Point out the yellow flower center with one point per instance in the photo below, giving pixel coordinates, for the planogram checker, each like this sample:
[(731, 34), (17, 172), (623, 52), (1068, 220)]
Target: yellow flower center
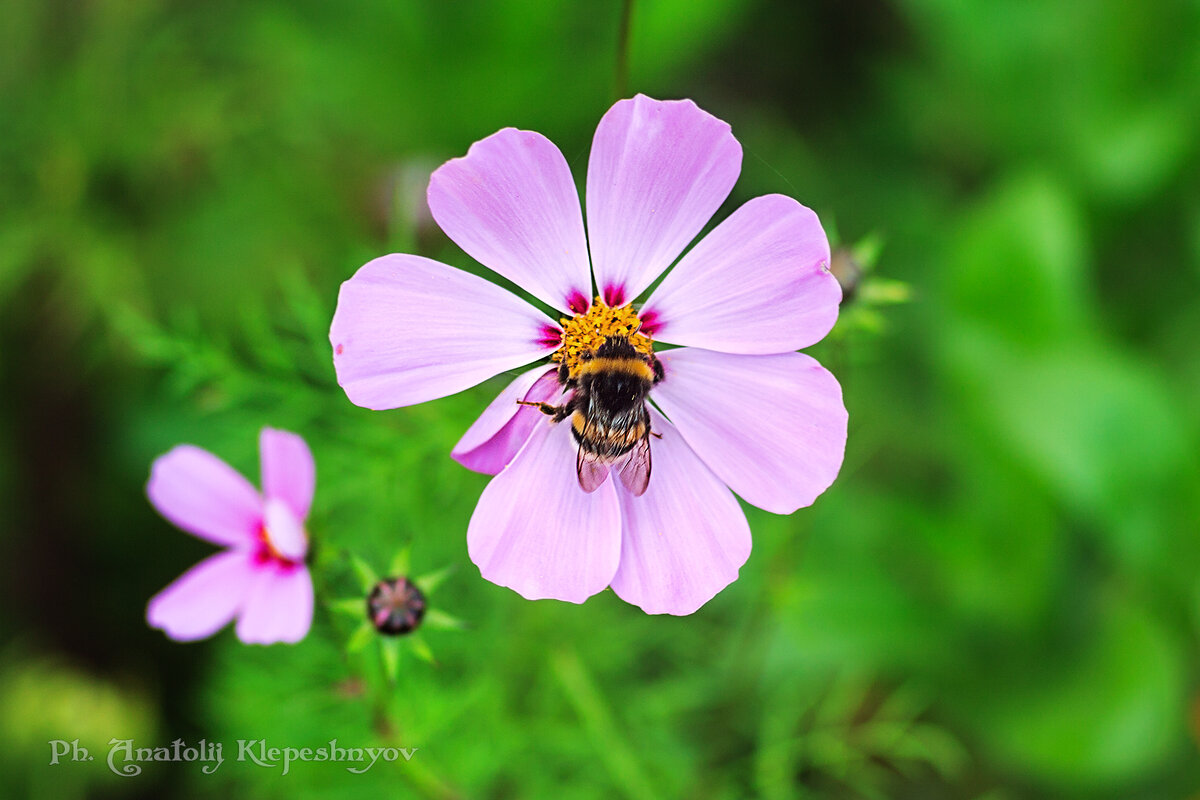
[(584, 333)]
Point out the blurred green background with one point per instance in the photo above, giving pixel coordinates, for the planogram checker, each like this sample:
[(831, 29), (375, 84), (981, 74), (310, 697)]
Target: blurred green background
[(1000, 596)]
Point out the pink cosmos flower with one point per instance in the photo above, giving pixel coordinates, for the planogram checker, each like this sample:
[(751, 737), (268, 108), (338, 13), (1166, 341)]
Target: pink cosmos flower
[(737, 409), (260, 578)]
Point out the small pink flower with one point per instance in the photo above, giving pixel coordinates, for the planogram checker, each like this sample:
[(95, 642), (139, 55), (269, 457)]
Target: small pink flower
[(261, 578), (737, 410)]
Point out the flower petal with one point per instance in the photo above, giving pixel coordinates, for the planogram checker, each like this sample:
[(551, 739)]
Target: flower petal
[(492, 441), (685, 539), (772, 427), (279, 607), (204, 496), (512, 205), (408, 329), (658, 171), (206, 597), (285, 532), (758, 283), (288, 472), (536, 532)]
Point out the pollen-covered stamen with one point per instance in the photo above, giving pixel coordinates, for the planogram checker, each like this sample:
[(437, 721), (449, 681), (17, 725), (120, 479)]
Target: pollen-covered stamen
[(583, 334)]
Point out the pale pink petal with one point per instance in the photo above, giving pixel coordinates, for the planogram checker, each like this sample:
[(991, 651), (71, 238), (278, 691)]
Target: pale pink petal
[(685, 539), (408, 329), (758, 283), (206, 597), (279, 607), (536, 532), (203, 495), (492, 441), (288, 472), (285, 532), (772, 427), (511, 204), (658, 171)]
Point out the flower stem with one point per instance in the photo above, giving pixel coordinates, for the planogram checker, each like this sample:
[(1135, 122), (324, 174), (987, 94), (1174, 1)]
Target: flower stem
[(622, 83), (601, 725)]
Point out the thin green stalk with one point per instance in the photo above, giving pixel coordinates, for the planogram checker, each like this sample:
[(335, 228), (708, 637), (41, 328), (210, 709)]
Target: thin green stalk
[(622, 82), (612, 745)]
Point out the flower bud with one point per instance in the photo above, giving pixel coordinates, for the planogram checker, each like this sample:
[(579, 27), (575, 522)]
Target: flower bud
[(848, 271), (395, 606)]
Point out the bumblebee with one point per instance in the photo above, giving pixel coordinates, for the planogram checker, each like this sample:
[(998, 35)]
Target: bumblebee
[(609, 418)]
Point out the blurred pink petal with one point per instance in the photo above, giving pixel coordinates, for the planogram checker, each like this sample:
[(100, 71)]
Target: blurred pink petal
[(758, 283), (536, 532), (512, 205), (496, 436), (284, 531), (262, 576), (657, 172), (288, 472), (685, 539), (279, 605), (204, 496), (408, 329), (772, 427), (206, 597)]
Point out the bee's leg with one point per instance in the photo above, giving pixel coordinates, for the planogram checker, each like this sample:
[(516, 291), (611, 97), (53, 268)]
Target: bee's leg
[(646, 422), (564, 375), (545, 408), (556, 413), (657, 366)]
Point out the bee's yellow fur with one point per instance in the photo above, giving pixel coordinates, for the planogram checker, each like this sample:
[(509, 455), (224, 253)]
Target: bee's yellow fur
[(634, 366)]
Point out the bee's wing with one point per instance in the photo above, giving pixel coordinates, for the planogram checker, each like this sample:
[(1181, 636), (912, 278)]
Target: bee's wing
[(591, 474), (590, 471), (635, 470)]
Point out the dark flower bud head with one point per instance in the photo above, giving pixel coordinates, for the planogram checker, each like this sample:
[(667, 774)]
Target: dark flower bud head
[(395, 606)]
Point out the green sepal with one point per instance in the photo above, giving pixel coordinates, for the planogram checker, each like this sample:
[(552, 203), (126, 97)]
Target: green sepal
[(366, 576), (389, 648), (430, 581), (438, 620), (421, 648), (361, 637), (350, 606), (400, 563)]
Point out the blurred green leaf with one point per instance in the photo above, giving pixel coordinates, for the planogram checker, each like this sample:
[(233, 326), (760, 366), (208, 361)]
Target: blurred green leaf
[(1090, 717)]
